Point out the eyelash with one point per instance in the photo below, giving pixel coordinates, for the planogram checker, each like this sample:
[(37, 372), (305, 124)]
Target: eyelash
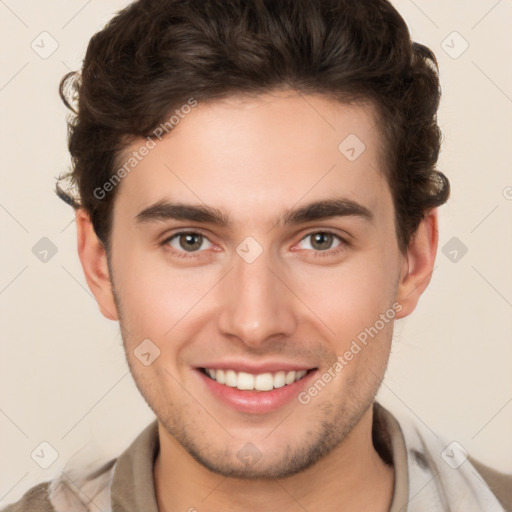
[(317, 254)]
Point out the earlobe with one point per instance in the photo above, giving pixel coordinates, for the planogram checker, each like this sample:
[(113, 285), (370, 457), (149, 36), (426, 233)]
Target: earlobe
[(94, 263), (418, 264)]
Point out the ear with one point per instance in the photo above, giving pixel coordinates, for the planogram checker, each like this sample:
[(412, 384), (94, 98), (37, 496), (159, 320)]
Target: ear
[(94, 263), (418, 264)]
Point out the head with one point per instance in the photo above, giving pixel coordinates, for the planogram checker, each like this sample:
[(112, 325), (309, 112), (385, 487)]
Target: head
[(216, 145)]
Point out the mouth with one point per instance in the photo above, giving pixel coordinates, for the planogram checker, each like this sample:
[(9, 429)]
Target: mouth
[(255, 393), (249, 382)]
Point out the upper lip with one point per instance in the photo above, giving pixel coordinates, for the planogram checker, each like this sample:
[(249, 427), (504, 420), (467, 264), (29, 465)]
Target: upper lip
[(256, 368)]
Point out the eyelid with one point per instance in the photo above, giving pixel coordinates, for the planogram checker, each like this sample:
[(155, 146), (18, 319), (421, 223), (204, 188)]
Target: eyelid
[(180, 231)]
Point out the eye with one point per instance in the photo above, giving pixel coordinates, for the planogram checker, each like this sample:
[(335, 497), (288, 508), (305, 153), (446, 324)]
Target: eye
[(187, 241), (322, 241)]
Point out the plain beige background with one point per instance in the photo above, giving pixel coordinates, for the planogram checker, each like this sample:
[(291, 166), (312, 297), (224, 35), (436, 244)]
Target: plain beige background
[(64, 380)]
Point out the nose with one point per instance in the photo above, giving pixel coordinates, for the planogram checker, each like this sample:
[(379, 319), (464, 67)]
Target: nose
[(257, 305)]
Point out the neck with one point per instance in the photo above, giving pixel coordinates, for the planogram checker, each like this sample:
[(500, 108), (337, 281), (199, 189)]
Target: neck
[(350, 477)]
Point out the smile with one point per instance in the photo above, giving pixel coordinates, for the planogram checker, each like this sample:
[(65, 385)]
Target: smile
[(249, 382)]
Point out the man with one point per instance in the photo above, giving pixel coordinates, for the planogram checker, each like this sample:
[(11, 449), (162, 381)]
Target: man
[(256, 199)]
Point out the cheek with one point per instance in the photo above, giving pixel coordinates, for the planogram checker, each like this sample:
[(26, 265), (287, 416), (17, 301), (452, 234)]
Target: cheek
[(156, 297), (351, 296)]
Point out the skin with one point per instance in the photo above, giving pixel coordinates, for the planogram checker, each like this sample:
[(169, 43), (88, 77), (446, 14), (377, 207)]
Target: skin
[(255, 158)]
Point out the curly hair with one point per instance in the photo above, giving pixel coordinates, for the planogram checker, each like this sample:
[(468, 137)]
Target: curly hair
[(154, 55)]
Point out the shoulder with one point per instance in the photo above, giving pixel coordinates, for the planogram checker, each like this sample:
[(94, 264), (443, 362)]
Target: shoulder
[(34, 500), (76, 490), (499, 483), (473, 487), (87, 481)]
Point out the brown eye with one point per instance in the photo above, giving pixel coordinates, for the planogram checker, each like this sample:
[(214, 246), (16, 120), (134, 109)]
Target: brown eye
[(321, 240), (187, 241)]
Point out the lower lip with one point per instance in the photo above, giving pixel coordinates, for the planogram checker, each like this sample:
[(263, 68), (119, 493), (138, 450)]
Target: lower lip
[(257, 402)]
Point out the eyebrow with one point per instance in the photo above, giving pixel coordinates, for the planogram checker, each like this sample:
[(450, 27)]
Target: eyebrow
[(318, 210)]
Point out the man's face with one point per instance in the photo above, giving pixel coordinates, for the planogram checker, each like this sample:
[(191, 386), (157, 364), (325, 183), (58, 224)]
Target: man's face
[(265, 293)]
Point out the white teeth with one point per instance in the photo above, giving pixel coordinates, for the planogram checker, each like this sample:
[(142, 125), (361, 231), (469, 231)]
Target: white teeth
[(261, 382), (230, 377), (279, 379), (264, 382), (245, 381), (290, 377), (220, 377)]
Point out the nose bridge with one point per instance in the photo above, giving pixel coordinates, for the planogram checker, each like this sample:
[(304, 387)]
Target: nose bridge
[(256, 305)]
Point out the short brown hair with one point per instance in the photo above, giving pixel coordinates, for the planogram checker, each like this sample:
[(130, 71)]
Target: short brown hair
[(155, 55)]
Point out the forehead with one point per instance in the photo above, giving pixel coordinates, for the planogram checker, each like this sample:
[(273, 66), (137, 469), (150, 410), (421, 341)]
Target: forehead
[(264, 153)]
